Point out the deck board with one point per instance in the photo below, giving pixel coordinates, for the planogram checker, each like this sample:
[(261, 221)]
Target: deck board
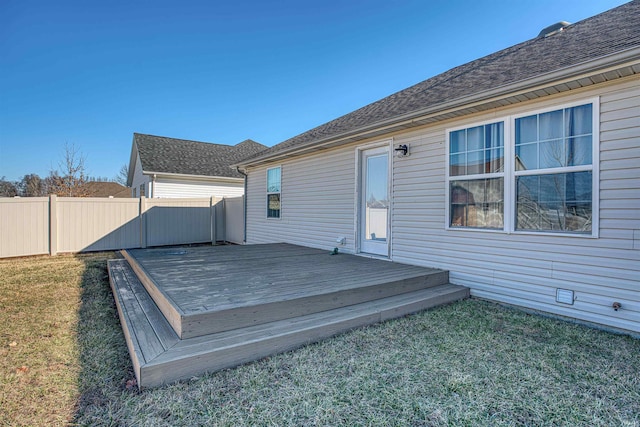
[(231, 348), (218, 307), (209, 289), (215, 278)]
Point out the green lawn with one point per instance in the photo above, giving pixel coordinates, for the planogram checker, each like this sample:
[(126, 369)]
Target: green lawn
[(63, 360)]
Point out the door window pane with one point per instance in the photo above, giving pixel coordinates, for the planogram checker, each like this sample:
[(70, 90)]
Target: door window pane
[(377, 198)]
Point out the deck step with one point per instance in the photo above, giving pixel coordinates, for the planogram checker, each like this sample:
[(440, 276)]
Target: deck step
[(230, 301), (160, 356)]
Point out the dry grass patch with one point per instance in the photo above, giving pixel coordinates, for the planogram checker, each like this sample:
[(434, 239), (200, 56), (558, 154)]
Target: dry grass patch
[(41, 305), (472, 363)]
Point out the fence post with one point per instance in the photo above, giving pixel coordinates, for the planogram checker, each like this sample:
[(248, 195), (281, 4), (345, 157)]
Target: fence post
[(143, 222), (53, 225), (213, 220), (224, 219)]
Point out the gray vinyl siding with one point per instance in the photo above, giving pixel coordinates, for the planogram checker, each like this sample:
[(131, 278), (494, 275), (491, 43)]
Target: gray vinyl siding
[(179, 188), (521, 269), (526, 269), (139, 179), (317, 202)]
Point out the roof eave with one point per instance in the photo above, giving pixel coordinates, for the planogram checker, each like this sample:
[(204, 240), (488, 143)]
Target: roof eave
[(605, 64), (194, 177)]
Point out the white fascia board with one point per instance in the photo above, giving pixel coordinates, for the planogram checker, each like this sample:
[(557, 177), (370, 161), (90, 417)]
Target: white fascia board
[(192, 177)]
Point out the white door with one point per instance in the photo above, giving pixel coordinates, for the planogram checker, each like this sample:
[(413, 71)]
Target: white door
[(374, 201)]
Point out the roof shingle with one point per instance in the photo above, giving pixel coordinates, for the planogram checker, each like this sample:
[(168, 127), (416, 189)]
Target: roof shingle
[(179, 156)]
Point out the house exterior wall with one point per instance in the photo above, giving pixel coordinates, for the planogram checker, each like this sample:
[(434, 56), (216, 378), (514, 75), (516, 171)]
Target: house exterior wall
[(522, 269), (317, 202), (138, 180), (172, 188), (165, 188)]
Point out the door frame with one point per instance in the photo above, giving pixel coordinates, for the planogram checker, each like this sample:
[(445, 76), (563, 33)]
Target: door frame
[(358, 206)]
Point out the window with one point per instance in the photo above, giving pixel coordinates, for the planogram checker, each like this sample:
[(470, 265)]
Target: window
[(553, 170), (142, 190), (273, 192), (476, 171), (531, 173)]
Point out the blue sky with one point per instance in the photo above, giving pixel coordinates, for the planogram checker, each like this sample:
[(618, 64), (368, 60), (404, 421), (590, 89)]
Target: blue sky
[(92, 73)]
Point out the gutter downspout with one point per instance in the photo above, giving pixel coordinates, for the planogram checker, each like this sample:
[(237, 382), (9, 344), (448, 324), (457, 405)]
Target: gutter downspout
[(244, 205)]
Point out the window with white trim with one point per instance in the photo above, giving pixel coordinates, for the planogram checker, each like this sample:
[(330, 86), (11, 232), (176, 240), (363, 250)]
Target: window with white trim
[(273, 192), (554, 171), (476, 171), (526, 173)]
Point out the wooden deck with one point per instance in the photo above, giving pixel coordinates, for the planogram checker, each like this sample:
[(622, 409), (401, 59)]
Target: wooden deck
[(189, 310)]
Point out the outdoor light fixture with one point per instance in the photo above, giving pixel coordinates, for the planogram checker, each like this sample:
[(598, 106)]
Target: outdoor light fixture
[(402, 150)]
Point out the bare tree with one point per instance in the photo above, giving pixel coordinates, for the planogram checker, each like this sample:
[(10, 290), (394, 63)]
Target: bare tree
[(7, 188), (123, 175), (69, 180), (32, 185)]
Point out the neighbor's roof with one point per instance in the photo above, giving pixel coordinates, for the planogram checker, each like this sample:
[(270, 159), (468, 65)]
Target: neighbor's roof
[(577, 47), (105, 189), (160, 154)]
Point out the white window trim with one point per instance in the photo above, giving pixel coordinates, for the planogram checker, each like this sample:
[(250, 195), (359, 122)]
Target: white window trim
[(503, 175), (510, 173), (267, 192)]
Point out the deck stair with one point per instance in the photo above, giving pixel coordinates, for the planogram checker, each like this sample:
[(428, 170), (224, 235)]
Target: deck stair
[(174, 331)]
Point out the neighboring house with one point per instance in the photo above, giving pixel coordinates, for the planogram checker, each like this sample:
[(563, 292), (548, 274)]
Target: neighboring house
[(105, 189), (521, 176), (169, 167)]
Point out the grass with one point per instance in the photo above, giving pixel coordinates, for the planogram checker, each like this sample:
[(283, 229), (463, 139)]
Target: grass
[(63, 360)]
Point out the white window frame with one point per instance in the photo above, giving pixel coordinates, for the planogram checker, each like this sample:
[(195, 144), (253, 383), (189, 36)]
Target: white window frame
[(510, 173), (273, 192), (503, 174)]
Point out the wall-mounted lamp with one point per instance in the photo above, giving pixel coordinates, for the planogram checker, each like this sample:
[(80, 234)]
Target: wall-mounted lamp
[(402, 150)]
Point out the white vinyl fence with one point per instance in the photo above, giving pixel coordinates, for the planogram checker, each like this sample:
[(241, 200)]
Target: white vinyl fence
[(48, 225)]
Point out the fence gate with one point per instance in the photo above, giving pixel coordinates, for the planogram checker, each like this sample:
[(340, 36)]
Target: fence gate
[(234, 219)]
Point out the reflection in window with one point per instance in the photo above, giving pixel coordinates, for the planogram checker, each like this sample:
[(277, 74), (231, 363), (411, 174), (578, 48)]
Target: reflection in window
[(477, 203), (560, 145), (554, 202), (476, 160), (273, 192), (555, 139), (477, 150)]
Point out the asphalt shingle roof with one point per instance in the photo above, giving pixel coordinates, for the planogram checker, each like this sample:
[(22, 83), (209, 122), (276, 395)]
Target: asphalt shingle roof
[(604, 34), (179, 156), (105, 189)]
